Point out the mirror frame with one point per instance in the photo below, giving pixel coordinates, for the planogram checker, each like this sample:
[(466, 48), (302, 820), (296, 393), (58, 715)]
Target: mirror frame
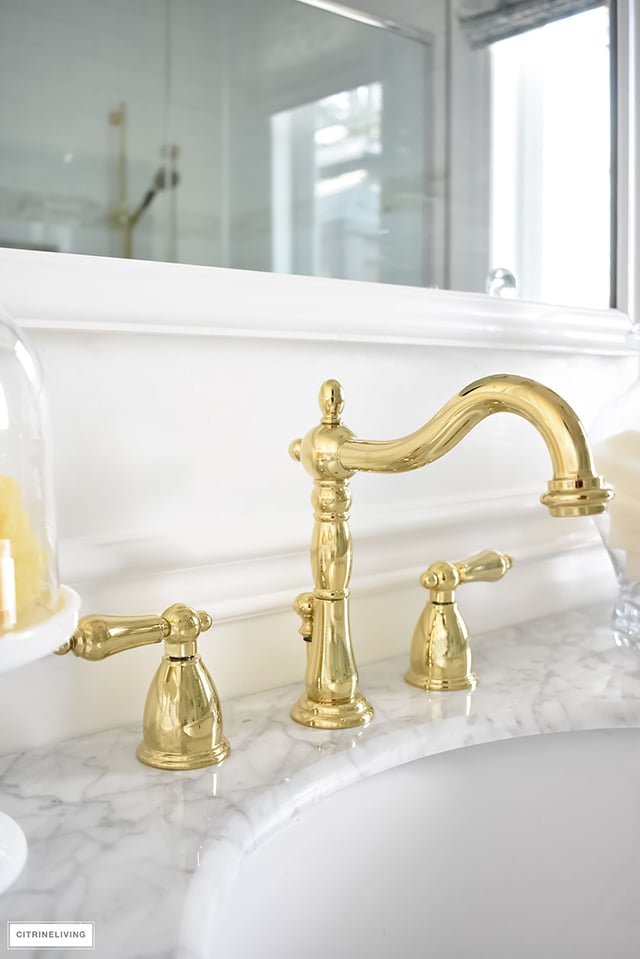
[(626, 127)]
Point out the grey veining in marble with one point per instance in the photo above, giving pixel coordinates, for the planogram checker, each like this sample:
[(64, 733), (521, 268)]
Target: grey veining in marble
[(146, 854)]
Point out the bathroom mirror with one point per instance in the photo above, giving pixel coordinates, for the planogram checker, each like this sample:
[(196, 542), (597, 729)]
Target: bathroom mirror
[(457, 144)]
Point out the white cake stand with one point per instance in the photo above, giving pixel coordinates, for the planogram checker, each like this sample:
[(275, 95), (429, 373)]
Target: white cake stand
[(17, 649), (26, 645)]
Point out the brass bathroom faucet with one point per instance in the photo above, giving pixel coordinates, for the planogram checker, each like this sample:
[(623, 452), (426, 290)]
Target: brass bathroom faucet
[(331, 454)]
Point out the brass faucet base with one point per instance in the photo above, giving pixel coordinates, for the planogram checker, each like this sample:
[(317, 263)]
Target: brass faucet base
[(309, 712), (440, 686), (164, 760)]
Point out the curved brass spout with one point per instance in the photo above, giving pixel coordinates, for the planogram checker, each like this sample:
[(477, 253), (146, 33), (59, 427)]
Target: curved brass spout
[(331, 454), (575, 489)]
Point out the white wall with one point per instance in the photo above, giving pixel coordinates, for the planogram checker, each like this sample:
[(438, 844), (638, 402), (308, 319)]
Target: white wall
[(175, 392)]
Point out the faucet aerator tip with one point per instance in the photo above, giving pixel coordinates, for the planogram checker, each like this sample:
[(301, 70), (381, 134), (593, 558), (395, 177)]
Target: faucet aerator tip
[(577, 497)]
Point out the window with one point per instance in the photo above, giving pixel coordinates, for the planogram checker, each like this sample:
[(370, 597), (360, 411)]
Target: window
[(550, 207)]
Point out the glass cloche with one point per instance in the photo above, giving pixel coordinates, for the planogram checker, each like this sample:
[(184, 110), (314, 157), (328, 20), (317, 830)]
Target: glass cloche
[(615, 435), (36, 614)]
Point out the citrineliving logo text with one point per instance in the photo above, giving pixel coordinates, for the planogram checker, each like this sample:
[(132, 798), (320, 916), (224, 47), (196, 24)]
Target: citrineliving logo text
[(51, 935)]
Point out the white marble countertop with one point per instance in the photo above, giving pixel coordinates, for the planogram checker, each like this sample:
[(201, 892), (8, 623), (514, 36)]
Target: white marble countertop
[(145, 853)]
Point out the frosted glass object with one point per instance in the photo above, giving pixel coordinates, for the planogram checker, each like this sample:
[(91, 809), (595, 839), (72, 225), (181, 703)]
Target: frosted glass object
[(29, 588), (501, 282), (616, 448)]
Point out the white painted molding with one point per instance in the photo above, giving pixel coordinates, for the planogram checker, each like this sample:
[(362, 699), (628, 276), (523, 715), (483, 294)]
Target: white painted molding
[(97, 294), (389, 553)]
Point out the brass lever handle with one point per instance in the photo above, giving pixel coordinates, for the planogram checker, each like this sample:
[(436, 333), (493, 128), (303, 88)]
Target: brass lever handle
[(440, 657), (182, 723), (100, 636), (443, 578), (487, 566)]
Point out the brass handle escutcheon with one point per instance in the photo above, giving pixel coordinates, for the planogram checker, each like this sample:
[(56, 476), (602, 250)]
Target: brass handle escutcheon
[(440, 657), (182, 722)]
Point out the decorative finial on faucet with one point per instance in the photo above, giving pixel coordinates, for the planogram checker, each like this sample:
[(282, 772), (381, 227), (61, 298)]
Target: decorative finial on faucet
[(331, 400)]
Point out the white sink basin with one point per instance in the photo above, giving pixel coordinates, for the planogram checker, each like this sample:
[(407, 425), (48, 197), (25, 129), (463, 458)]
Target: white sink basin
[(521, 849), (13, 851)]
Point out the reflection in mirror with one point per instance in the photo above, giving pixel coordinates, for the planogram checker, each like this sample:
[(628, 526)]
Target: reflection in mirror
[(550, 189), (345, 148), (453, 150)]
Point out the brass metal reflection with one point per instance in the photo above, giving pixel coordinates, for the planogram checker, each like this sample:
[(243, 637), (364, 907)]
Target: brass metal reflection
[(182, 723), (440, 657), (123, 217), (331, 454)]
